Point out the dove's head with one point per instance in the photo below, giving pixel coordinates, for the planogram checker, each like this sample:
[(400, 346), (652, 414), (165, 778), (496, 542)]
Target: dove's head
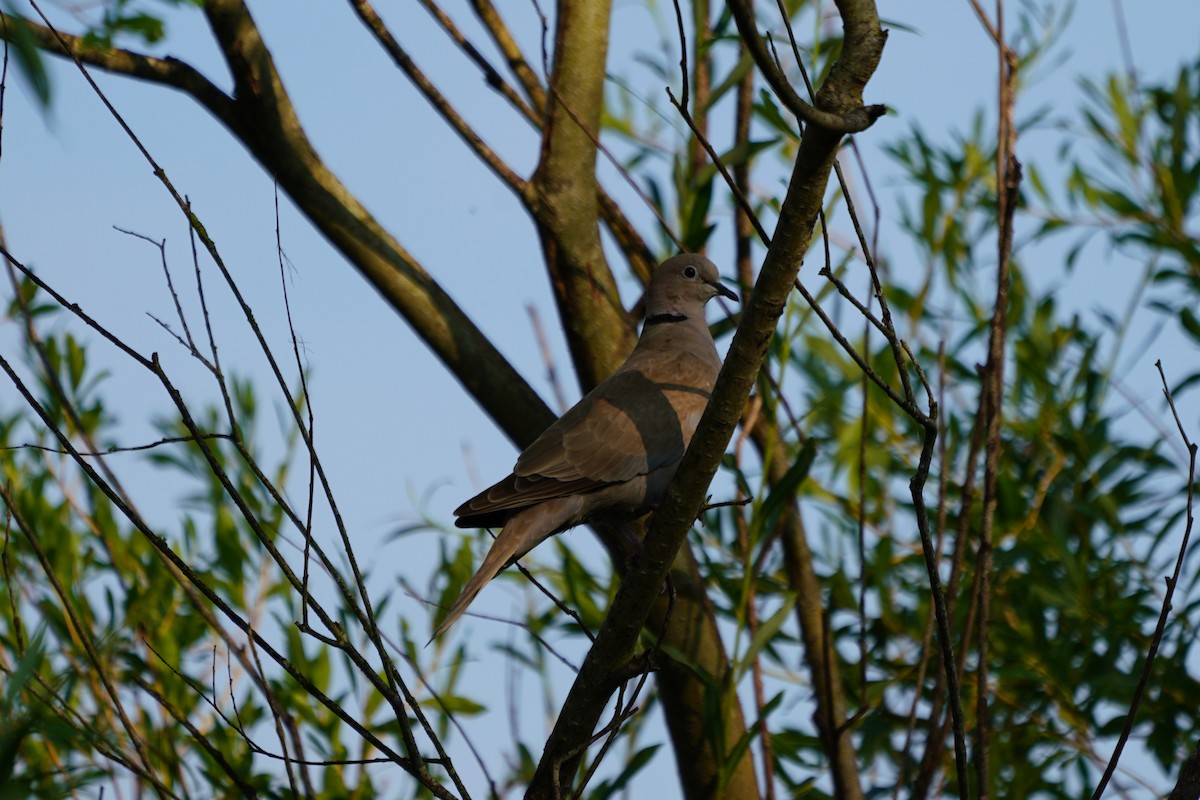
[(682, 285)]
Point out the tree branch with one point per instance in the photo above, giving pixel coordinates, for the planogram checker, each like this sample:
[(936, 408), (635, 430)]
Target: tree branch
[(370, 17), (855, 118), (599, 332), (507, 45), (668, 529), (272, 131), (167, 71), (1188, 785), (261, 116)]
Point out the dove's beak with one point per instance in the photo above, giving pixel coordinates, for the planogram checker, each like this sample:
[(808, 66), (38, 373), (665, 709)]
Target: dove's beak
[(724, 290)]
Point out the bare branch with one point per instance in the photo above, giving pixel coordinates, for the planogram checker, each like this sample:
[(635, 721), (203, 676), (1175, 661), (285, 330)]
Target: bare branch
[(115, 449), (490, 76), (1008, 180), (504, 41), (743, 202), (1172, 581), (366, 12), (165, 71), (855, 119)]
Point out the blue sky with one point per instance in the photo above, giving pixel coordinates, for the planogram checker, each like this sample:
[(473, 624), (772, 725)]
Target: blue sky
[(392, 425)]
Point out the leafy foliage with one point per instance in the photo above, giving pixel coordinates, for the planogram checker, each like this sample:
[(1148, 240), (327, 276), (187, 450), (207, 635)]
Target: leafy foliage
[(120, 668)]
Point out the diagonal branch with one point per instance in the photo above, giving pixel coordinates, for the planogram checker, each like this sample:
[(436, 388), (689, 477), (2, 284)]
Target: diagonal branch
[(616, 641), (507, 45), (1189, 780), (167, 71), (370, 17), (490, 75), (261, 116)]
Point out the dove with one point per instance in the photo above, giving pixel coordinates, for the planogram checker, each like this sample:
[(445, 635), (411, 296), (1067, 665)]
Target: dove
[(610, 457)]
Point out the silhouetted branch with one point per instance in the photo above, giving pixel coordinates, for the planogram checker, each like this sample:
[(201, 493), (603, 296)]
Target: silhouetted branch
[(1171, 581)]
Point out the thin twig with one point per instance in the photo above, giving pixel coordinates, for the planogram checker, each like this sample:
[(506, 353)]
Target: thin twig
[(563, 607), (3, 79), (545, 24), (218, 374), (161, 545), (850, 350), (490, 75), (18, 627), (430, 92), (162, 249), (622, 711), (539, 333), (683, 61), (395, 685), (306, 530), (940, 530), (621, 169), (743, 221), (1008, 176), (1172, 581), (863, 432), (487, 14), (115, 449), (237, 725), (743, 203), (756, 670)]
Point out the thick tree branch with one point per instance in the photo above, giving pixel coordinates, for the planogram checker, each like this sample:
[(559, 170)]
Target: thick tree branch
[(268, 125), (261, 116), (615, 643), (614, 646), (691, 629), (599, 332), (1188, 785)]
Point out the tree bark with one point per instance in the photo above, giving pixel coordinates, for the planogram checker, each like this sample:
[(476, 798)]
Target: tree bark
[(600, 334), (1188, 785)]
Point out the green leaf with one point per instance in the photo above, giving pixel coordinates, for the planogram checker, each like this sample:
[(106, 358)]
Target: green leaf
[(75, 362), (632, 767), (766, 632), (28, 57), (455, 704), (1190, 323), (785, 490)]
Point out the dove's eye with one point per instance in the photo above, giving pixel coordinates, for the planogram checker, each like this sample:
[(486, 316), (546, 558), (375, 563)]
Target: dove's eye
[(689, 272)]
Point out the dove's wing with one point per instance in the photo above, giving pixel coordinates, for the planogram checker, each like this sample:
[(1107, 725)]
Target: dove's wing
[(629, 425)]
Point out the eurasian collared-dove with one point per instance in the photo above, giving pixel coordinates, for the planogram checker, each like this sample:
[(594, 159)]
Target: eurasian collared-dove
[(612, 455)]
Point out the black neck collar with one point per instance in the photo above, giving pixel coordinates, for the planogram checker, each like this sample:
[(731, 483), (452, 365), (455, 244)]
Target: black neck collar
[(659, 319)]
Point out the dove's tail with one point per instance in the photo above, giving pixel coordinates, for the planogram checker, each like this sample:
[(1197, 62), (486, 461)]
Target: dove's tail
[(520, 535), (496, 559)]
